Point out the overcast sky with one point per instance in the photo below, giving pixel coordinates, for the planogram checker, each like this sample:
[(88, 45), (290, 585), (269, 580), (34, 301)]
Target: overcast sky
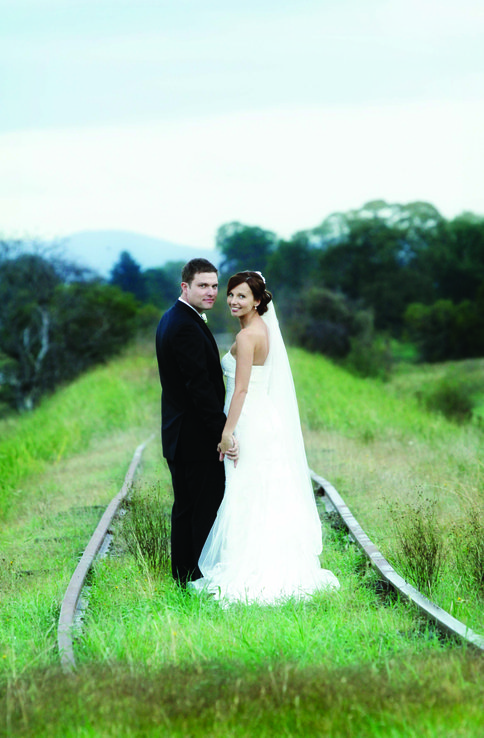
[(170, 118)]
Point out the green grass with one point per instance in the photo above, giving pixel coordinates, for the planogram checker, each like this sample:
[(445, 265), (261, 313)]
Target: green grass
[(335, 400), (156, 661), (379, 447), (60, 466), (421, 380), (151, 621), (102, 401), (222, 701)]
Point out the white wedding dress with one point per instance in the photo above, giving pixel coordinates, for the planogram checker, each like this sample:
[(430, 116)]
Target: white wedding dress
[(265, 543)]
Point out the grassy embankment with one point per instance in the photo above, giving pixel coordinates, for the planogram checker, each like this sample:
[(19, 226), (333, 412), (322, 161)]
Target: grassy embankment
[(386, 455), (350, 663)]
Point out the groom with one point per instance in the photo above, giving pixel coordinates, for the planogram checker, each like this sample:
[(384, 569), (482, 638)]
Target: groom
[(192, 416)]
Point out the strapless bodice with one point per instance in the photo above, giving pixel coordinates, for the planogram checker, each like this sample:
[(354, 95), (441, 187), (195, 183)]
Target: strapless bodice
[(259, 376), (229, 363)]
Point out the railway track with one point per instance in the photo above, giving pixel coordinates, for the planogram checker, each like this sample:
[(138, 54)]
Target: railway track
[(72, 603), (444, 621)]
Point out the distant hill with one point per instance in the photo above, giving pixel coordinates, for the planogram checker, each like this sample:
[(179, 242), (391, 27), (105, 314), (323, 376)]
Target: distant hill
[(100, 250)]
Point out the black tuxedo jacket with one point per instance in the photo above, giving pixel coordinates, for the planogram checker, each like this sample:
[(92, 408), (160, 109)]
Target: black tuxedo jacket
[(193, 392)]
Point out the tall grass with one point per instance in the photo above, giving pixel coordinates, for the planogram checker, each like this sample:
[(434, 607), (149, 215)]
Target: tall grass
[(455, 388), (145, 530), (332, 399), (381, 448), (419, 542), (103, 400), (468, 546), (154, 622)]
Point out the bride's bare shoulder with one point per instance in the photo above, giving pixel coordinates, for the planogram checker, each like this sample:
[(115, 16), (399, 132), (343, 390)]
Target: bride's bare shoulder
[(253, 339), (245, 336)]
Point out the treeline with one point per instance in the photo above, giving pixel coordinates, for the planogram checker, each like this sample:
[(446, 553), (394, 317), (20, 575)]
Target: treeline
[(159, 287), (346, 288), (373, 274), (350, 286)]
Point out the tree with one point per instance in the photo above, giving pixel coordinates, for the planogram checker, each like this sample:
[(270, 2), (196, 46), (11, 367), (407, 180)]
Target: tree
[(325, 321), (413, 219), (244, 247), (292, 266), (93, 322), (27, 286), (126, 274), (162, 285), (368, 265), (430, 327), (52, 327), (456, 259), (444, 331), (377, 254)]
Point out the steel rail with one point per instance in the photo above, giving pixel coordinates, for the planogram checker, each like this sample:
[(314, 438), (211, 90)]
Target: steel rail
[(73, 592), (444, 620)]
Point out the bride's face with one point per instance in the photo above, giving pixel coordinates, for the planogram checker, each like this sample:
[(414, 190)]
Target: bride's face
[(241, 300)]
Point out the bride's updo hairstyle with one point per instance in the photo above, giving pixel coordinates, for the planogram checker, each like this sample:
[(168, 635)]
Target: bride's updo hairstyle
[(257, 284)]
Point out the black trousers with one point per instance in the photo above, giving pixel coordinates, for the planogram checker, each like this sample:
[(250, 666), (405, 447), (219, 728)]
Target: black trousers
[(198, 488)]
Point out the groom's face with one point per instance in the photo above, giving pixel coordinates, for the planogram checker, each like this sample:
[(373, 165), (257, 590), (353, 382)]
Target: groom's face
[(201, 293)]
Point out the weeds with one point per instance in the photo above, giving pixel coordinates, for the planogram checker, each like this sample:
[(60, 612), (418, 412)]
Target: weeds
[(146, 530), (468, 540), (420, 542)]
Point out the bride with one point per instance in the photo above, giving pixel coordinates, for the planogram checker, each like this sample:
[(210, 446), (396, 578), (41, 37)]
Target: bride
[(266, 539)]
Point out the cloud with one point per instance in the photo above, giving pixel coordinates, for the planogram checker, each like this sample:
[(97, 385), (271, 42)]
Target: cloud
[(282, 169)]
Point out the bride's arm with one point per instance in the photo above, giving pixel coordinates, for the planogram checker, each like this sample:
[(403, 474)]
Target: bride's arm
[(245, 357)]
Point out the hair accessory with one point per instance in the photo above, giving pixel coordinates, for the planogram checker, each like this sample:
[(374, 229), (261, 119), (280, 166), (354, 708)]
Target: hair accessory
[(261, 276)]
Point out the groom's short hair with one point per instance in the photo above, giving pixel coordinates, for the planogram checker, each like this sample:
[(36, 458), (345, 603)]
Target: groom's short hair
[(195, 266)]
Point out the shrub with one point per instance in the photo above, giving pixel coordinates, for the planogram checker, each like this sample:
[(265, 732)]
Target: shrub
[(444, 331), (325, 321), (431, 328), (370, 358), (147, 318), (451, 396)]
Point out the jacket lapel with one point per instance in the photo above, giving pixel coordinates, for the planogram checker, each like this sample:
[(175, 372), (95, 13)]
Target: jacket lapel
[(209, 334), (193, 313)]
